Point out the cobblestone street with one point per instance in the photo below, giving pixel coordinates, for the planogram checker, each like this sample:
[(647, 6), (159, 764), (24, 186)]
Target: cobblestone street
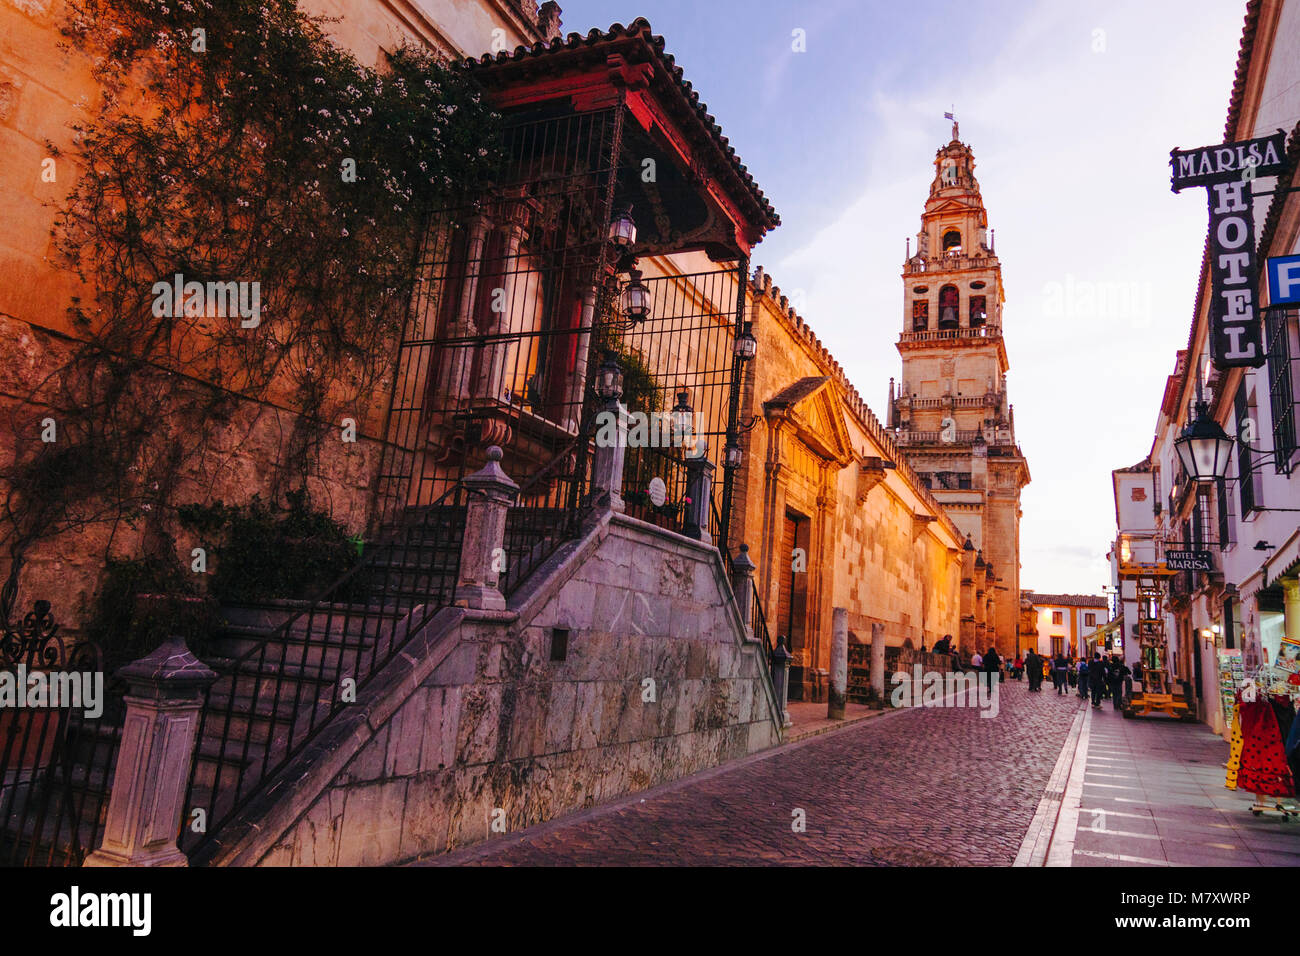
[(937, 786)]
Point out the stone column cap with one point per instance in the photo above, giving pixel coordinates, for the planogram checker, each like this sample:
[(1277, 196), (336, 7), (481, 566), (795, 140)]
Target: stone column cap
[(742, 563), (490, 477), (171, 667)]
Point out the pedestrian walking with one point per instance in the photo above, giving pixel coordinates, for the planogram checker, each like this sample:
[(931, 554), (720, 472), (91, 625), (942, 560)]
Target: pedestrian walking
[(1083, 677), (977, 662), (992, 665), (1117, 672), (1033, 669), (1097, 679), (1059, 667), (1018, 668)]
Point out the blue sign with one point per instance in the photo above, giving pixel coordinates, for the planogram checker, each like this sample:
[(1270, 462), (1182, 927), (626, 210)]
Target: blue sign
[(1284, 280)]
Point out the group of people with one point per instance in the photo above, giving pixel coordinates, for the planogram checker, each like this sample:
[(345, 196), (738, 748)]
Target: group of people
[(1105, 676), (990, 662)]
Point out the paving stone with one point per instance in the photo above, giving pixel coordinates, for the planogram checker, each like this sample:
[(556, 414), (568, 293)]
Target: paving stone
[(927, 787)]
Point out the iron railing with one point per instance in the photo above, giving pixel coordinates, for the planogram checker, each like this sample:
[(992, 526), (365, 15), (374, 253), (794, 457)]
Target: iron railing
[(284, 685), (56, 762)]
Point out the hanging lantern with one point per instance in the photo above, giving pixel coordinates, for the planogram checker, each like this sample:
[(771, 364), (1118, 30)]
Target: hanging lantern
[(1204, 447), (746, 345), (635, 301), (622, 230), (682, 415), (732, 455), (609, 378)]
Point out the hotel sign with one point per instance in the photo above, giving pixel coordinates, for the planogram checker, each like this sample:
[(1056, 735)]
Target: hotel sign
[(1189, 561), (1228, 171)]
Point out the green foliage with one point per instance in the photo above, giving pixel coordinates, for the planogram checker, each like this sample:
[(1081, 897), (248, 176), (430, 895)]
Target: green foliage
[(263, 552), (141, 602), (642, 391), (226, 156)]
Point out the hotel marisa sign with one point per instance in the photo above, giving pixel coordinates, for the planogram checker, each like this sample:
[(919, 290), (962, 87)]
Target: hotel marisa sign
[(1227, 171)]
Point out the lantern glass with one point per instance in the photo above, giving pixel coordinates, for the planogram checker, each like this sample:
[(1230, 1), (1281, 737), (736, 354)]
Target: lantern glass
[(622, 231), (636, 302), (1204, 448), (609, 378), (746, 345), (732, 456)]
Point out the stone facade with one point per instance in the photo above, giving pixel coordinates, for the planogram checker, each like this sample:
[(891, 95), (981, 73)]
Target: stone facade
[(950, 410), (832, 515), (44, 89), (478, 722)]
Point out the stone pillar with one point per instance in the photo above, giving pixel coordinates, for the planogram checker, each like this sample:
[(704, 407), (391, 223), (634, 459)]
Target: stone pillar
[(145, 809), (839, 664), (780, 669), (497, 354), (462, 356), (578, 378), (742, 583), (491, 492), (607, 463), (699, 488), (878, 659)]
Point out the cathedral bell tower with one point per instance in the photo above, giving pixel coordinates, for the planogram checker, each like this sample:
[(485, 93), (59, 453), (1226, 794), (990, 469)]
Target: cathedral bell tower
[(950, 412)]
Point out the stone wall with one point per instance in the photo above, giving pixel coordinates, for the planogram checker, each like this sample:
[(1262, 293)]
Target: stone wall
[(45, 88), (477, 723), (881, 546)]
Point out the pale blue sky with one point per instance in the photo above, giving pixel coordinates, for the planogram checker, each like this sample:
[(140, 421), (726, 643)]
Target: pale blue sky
[(1071, 108)]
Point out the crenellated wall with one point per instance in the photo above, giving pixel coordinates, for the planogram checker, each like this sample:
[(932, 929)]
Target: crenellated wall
[(877, 543)]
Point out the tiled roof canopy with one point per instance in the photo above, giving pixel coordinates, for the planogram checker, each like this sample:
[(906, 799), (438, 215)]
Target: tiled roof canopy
[(635, 45)]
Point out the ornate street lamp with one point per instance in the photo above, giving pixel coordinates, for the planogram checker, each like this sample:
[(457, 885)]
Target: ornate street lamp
[(746, 345), (732, 455), (609, 378), (622, 230), (635, 301), (682, 415), (1204, 447)]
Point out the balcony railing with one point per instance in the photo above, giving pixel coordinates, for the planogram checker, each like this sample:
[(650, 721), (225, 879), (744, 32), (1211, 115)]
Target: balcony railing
[(943, 335), (917, 265)]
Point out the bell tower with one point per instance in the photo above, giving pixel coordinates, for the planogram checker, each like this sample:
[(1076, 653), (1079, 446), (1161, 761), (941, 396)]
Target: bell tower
[(950, 412)]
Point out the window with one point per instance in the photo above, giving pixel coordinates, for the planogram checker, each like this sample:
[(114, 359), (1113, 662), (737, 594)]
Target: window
[(1227, 524), (949, 303), (1090, 620), (1281, 397), (1249, 485), (952, 243), (920, 315), (1058, 617), (1058, 644), (977, 313)]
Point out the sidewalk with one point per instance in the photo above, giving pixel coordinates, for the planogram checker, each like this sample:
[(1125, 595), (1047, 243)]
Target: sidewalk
[(810, 718), (1149, 792)]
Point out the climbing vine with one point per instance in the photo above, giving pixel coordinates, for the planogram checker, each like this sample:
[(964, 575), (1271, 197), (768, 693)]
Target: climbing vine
[(239, 158)]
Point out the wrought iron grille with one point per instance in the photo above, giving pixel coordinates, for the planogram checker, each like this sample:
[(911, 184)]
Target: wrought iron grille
[(495, 349), (679, 367), (56, 762), (1279, 329), (281, 689)]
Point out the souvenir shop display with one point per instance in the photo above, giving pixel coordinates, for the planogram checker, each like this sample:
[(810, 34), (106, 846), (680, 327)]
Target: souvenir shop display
[(1231, 673), (1265, 750)]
